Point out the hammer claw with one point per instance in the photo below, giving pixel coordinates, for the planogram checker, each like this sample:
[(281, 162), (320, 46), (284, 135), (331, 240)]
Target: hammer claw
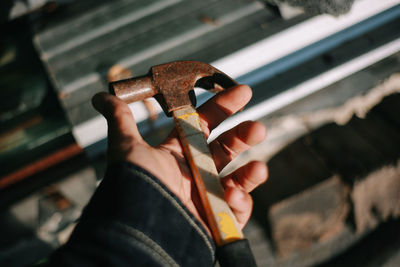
[(218, 81)]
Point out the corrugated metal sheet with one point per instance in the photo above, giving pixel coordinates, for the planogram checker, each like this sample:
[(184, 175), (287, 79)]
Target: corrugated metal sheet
[(241, 37), (137, 34)]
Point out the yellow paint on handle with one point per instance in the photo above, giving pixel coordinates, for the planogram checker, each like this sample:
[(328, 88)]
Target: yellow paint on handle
[(185, 116), (228, 227)]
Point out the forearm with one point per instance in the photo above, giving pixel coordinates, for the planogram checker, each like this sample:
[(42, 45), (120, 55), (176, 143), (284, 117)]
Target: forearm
[(133, 219)]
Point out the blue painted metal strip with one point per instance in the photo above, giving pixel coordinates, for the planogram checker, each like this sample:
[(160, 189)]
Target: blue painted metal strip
[(257, 76)]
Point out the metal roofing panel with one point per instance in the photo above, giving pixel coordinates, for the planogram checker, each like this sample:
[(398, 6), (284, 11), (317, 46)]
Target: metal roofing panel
[(136, 35)]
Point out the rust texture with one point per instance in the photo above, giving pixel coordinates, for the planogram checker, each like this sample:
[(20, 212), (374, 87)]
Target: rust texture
[(170, 83)]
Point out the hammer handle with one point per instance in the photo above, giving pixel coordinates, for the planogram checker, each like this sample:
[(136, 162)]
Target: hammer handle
[(233, 249), (220, 218)]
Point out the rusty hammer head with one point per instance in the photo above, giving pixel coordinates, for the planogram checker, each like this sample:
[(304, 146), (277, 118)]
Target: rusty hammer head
[(172, 84)]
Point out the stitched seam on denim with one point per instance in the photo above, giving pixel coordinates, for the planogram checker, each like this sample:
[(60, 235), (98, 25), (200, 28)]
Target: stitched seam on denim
[(139, 240), (178, 206), (146, 243)]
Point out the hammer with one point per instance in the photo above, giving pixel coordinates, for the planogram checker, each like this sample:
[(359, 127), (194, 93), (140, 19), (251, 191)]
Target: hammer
[(172, 85)]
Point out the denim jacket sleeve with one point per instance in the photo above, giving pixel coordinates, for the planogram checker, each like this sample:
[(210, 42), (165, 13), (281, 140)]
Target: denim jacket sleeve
[(134, 220)]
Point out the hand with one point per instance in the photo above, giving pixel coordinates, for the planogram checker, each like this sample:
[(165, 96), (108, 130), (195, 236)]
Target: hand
[(167, 162)]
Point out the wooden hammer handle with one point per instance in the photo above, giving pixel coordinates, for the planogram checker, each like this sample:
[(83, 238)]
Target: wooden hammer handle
[(220, 218)]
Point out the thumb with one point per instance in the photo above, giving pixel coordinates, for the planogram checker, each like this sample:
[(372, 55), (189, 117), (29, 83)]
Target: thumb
[(120, 121)]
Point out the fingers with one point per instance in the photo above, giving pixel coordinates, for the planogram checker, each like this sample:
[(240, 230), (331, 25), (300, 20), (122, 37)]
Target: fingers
[(214, 111), (239, 184), (241, 204), (233, 142), (223, 105), (247, 177), (121, 124)]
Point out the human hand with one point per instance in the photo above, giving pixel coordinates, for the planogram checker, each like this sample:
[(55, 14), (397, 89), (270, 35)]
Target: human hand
[(167, 161)]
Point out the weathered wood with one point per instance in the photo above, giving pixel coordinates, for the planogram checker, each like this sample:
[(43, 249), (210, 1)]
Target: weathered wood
[(377, 198), (379, 248), (389, 110), (313, 216), (380, 134), (345, 151), (292, 170), (220, 218)]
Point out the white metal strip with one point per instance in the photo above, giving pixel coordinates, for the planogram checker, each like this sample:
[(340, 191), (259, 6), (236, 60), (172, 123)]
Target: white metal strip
[(308, 87), (297, 37)]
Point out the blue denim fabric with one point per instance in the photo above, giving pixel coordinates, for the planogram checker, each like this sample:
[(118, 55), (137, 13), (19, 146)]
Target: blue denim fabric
[(134, 220)]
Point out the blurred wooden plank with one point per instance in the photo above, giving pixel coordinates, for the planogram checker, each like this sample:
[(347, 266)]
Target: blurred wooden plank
[(379, 248), (292, 170), (310, 217), (380, 134), (389, 109), (376, 198), (345, 151)]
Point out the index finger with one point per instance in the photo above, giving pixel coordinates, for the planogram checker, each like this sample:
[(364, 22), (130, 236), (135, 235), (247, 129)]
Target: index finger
[(223, 105)]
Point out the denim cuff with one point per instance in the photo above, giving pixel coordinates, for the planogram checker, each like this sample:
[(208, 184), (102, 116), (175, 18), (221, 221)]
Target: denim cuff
[(133, 218)]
